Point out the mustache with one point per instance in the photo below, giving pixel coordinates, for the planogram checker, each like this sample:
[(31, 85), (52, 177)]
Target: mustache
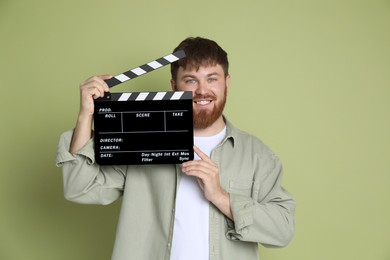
[(207, 96)]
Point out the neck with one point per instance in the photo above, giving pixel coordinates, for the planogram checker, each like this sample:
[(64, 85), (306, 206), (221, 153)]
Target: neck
[(213, 129)]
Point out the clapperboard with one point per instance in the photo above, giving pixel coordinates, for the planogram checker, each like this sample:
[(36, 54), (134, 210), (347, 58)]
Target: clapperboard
[(144, 127)]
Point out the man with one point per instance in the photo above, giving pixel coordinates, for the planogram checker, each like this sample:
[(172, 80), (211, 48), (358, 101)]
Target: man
[(218, 206)]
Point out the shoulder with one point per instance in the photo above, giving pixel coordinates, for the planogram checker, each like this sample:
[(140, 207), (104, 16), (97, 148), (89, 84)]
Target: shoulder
[(249, 142)]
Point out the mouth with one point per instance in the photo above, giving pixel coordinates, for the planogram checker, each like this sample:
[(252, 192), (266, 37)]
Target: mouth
[(203, 102)]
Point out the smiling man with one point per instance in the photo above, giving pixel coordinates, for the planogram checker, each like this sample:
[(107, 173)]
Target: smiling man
[(218, 206)]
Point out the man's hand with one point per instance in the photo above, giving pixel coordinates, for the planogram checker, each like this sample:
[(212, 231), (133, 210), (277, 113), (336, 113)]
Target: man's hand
[(90, 89), (207, 173)]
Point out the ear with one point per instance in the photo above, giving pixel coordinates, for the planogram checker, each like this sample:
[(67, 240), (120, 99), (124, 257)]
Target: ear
[(173, 85)]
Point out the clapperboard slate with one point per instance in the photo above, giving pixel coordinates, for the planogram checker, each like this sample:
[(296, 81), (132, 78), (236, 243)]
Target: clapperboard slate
[(144, 127)]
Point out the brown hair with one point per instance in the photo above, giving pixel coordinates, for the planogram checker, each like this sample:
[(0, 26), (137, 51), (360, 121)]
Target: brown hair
[(200, 52)]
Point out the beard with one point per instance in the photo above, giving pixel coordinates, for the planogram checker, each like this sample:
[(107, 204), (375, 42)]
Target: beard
[(205, 118)]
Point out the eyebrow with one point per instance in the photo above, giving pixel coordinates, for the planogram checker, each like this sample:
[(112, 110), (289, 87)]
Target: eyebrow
[(208, 75)]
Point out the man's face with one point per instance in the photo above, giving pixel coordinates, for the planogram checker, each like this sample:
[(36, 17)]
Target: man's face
[(209, 90)]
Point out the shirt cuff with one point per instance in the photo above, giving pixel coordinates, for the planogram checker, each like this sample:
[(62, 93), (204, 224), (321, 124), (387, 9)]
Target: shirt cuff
[(242, 209), (63, 154)]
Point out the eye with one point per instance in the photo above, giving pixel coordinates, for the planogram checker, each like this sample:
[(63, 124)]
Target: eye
[(210, 80), (190, 81)]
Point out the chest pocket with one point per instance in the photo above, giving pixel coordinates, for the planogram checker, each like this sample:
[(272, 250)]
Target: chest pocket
[(241, 187)]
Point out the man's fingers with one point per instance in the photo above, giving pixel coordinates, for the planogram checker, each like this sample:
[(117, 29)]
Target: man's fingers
[(201, 154), (199, 166), (98, 81), (95, 86)]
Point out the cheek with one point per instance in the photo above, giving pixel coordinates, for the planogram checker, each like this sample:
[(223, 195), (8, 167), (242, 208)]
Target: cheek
[(184, 88), (224, 89), (219, 90), (179, 86)]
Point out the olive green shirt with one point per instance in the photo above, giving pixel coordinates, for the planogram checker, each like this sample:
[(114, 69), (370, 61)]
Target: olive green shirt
[(263, 211)]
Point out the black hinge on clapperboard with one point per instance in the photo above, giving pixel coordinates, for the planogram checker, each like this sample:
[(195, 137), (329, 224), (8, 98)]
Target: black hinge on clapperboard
[(144, 127)]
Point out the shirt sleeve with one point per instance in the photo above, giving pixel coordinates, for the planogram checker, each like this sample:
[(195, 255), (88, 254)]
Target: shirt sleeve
[(266, 217), (84, 180)]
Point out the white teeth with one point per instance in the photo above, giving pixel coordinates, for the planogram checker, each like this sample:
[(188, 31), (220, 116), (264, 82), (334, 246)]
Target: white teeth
[(203, 102)]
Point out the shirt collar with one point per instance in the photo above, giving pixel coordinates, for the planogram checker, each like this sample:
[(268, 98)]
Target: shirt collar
[(230, 132)]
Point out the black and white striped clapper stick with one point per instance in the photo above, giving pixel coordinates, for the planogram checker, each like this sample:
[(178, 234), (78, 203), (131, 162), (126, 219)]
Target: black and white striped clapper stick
[(146, 68)]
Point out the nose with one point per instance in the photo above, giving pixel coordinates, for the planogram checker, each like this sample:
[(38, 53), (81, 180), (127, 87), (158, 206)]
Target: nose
[(201, 88)]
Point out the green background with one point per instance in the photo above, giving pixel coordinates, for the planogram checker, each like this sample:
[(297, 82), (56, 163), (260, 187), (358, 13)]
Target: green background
[(310, 78)]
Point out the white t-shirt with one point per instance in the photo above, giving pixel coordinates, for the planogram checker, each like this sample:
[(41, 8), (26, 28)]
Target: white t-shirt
[(191, 229)]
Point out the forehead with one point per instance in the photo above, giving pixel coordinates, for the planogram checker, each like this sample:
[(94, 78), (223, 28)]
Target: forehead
[(200, 71)]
